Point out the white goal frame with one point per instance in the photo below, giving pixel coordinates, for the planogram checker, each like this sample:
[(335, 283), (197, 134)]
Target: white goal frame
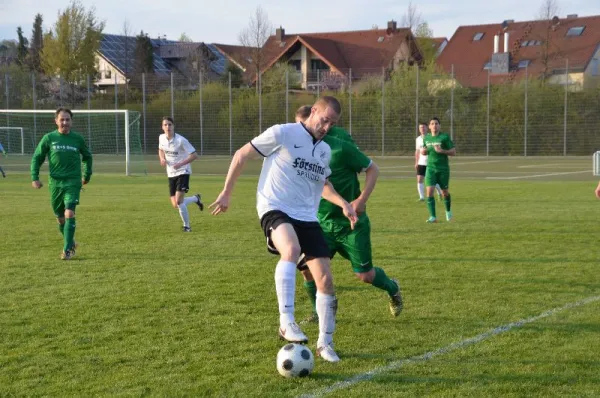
[(125, 112), (22, 136), (596, 163)]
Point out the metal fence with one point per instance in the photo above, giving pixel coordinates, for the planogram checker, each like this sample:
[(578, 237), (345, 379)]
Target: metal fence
[(381, 109)]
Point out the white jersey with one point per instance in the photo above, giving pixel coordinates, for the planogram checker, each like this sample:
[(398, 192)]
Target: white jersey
[(293, 173), (422, 158), (176, 149)]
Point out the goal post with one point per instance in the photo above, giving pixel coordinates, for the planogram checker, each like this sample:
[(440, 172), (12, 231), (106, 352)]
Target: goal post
[(8, 140), (113, 136), (596, 163)]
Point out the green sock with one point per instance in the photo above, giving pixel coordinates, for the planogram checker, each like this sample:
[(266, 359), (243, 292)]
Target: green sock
[(447, 202), (69, 233), (61, 228), (431, 206), (311, 290), (383, 282)]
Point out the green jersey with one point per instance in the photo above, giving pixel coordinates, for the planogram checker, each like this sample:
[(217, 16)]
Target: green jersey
[(65, 154), (339, 133), (437, 161), (346, 162)]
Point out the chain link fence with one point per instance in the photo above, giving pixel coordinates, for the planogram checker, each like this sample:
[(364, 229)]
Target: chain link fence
[(381, 109)]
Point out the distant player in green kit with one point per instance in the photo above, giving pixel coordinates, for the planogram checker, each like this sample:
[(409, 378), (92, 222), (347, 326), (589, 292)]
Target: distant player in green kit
[(355, 245), (437, 146), (66, 151)]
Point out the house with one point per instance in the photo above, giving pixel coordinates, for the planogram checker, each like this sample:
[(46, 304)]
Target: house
[(325, 60), (239, 56), (116, 60), (561, 50)]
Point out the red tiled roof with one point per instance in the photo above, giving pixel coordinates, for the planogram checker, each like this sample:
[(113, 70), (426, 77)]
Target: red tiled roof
[(469, 57), (237, 54), (357, 50)]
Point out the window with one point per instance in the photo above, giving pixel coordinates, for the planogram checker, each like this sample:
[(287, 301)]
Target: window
[(317, 64), (595, 67), (526, 43), (478, 36), (524, 63), (296, 64), (380, 39), (575, 31), (107, 74), (488, 65)]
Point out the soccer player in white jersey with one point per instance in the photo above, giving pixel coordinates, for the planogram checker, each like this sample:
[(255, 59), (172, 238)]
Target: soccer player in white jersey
[(421, 163), (291, 183), (176, 153)]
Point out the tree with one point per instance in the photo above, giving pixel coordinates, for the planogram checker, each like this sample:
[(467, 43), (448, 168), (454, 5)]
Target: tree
[(185, 38), (70, 49), (144, 54), (22, 47), (548, 50), (254, 36), (128, 52), (236, 75), (37, 43), (412, 19), (427, 46)]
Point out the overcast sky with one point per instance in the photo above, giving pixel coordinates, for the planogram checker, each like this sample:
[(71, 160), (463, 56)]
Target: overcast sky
[(220, 21)]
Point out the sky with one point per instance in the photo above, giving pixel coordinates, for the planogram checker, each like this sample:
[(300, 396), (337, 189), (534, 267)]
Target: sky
[(221, 21)]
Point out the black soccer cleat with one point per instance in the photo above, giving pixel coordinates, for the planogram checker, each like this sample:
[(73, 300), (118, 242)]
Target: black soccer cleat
[(199, 203)]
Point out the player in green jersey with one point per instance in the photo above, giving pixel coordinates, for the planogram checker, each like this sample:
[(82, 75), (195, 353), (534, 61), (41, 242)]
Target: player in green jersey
[(66, 150), (437, 146), (355, 245)]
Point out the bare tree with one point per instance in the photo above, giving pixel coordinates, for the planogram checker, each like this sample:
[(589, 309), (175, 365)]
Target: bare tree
[(412, 19), (129, 50), (548, 13), (254, 36)]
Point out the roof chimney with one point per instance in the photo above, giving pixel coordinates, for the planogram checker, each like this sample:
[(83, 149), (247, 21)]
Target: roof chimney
[(392, 26), (279, 33), (506, 37), (496, 43), (572, 16)]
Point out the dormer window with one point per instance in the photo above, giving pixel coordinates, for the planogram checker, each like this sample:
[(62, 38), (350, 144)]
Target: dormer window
[(478, 36), (524, 63), (488, 65), (380, 39), (575, 31)]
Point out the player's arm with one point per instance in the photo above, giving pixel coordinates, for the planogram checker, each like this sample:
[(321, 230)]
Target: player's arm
[(371, 176), (190, 158), (241, 156), (161, 157), (451, 151), (331, 195), (38, 158), (86, 159)]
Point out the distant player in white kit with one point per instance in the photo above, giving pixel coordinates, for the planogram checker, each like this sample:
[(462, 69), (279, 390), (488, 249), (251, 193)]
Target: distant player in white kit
[(292, 180), (421, 163), (176, 153)]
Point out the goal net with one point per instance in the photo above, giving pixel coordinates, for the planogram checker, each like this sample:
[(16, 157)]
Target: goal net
[(113, 136)]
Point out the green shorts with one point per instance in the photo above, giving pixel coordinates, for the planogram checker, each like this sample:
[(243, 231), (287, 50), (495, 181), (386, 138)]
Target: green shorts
[(354, 245), (64, 194), (434, 177)]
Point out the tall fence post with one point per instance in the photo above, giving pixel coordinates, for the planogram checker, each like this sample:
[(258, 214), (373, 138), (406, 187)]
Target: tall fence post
[(89, 116), (144, 111), (230, 119), (417, 101), (287, 90), (34, 97), (6, 92), (318, 83), (452, 103), (172, 96), (259, 103), (350, 101), (116, 114), (382, 111), (526, 104), (201, 115), (487, 138), (566, 107)]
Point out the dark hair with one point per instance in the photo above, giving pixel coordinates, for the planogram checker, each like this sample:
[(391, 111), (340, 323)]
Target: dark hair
[(61, 109), (332, 102), (304, 111), (436, 119), (169, 118), (422, 124)]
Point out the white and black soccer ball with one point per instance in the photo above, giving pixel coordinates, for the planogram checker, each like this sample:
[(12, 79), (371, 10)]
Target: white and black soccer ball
[(295, 360)]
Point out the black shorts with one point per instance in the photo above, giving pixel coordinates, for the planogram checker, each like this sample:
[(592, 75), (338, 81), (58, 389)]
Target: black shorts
[(179, 183), (421, 170), (309, 233)]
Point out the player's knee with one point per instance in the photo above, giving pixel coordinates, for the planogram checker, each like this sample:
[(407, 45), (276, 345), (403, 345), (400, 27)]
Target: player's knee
[(366, 277), (289, 252), (60, 220), (69, 213), (325, 283)]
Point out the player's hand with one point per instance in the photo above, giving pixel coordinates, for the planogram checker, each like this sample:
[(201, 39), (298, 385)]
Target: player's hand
[(350, 214), (359, 206), (37, 184), (220, 205), (84, 182), (424, 151), (598, 191), (438, 149), (416, 166), (176, 166), (163, 162)]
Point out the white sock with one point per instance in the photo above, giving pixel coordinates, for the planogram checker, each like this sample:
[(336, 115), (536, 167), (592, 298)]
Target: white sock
[(421, 189), (190, 199), (285, 285), (185, 216), (326, 309)]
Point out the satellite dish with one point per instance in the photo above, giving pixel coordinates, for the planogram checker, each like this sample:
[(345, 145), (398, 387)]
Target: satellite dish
[(555, 20), (504, 24)]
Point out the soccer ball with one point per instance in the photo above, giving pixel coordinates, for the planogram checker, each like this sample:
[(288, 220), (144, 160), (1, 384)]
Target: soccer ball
[(295, 360)]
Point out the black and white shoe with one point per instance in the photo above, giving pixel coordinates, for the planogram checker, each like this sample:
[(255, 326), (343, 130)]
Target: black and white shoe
[(186, 229), (199, 203)]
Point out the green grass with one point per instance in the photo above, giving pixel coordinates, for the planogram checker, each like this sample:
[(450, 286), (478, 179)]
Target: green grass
[(145, 310)]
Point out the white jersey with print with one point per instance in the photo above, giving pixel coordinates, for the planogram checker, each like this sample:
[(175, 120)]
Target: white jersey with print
[(293, 173), (176, 149), (422, 158)]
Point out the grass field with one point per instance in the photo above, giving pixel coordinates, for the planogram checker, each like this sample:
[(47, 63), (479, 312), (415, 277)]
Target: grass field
[(504, 301)]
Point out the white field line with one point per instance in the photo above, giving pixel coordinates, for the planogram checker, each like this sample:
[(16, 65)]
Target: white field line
[(536, 175), (451, 164), (550, 165), (444, 350)]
